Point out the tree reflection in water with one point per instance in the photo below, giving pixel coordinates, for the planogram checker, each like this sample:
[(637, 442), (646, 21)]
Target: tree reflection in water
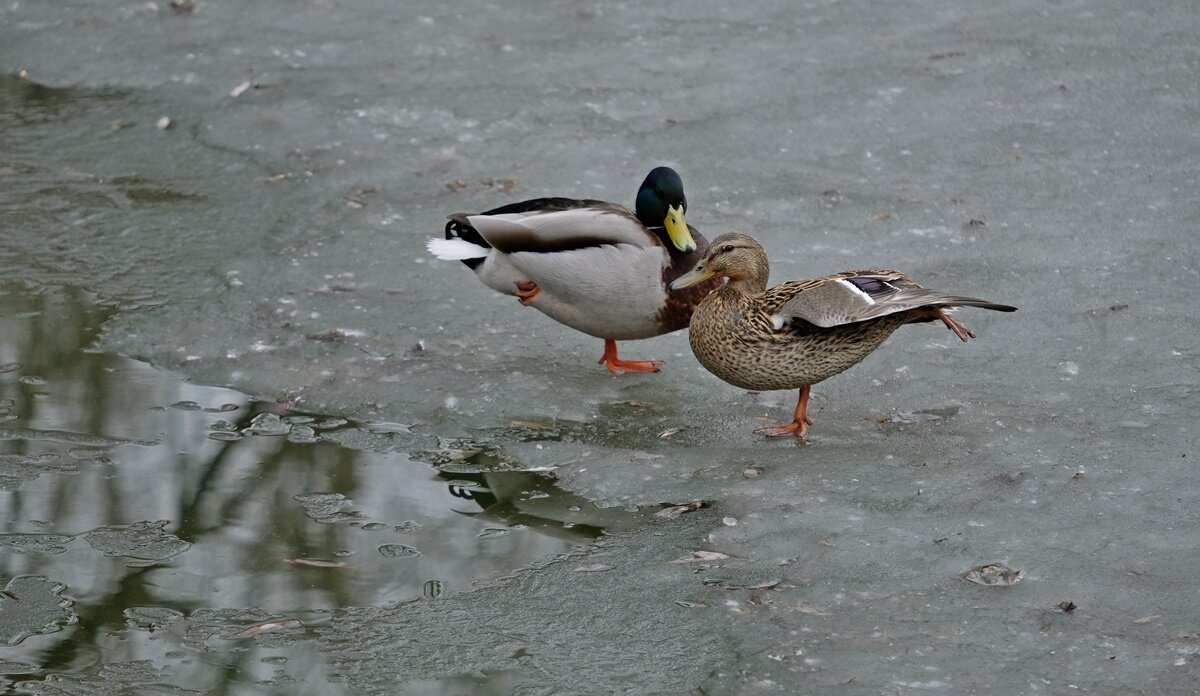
[(178, 515)]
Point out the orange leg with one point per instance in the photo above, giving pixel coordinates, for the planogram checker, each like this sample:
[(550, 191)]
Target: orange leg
[(615, 364), (800, 422), (526, 291), (935, 313)]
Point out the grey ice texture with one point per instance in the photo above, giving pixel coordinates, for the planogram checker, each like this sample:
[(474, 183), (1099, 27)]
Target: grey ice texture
[(841, 134)]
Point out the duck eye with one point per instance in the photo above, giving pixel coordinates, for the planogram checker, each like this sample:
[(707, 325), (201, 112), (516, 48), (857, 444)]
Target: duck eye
[(728, 248)]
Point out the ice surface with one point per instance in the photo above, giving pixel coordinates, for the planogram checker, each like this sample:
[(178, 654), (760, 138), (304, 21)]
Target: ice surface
[(1041, 155), (158, 548)]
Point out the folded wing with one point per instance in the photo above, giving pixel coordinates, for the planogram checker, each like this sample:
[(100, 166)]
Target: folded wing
[(561, 230), (861, 295)]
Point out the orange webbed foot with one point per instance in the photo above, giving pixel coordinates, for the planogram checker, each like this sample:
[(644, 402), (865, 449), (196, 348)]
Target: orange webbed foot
[(797, 428), (616, 365), (800, 420), (526, 291), (960, 329), (936, 314)]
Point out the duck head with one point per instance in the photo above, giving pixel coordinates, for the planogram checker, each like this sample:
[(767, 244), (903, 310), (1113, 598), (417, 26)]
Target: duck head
[(735, 256), (661, 205)]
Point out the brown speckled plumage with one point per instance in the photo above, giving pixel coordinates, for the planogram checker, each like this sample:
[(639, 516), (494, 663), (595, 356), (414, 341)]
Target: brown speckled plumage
[(799, 333), (748, 351)]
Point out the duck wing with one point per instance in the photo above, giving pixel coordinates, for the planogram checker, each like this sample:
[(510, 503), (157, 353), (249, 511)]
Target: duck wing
[(554, 225), (854, 296)]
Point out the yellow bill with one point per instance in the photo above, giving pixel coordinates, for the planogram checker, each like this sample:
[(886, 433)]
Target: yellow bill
[(677, 229)]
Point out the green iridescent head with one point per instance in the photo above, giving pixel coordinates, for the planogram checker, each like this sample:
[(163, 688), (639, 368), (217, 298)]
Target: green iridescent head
[(661, 204)]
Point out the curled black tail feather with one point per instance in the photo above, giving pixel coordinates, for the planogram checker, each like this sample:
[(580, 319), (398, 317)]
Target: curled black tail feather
[(459, 227)]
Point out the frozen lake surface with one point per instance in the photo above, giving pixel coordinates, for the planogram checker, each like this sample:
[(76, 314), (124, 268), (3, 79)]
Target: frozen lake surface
[(225, 351)]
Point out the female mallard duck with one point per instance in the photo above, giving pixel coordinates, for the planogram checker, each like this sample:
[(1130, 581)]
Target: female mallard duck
[(597, 267), (805, 331)]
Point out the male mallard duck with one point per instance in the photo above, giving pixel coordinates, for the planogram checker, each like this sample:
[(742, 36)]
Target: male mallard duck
[(597, 267), (804, 331)]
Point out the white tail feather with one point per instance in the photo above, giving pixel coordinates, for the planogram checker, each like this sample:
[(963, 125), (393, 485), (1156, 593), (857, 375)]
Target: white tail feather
[(455, 249)]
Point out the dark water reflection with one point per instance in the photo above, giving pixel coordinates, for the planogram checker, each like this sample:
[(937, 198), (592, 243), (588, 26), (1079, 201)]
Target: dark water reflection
[(148, 519)]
